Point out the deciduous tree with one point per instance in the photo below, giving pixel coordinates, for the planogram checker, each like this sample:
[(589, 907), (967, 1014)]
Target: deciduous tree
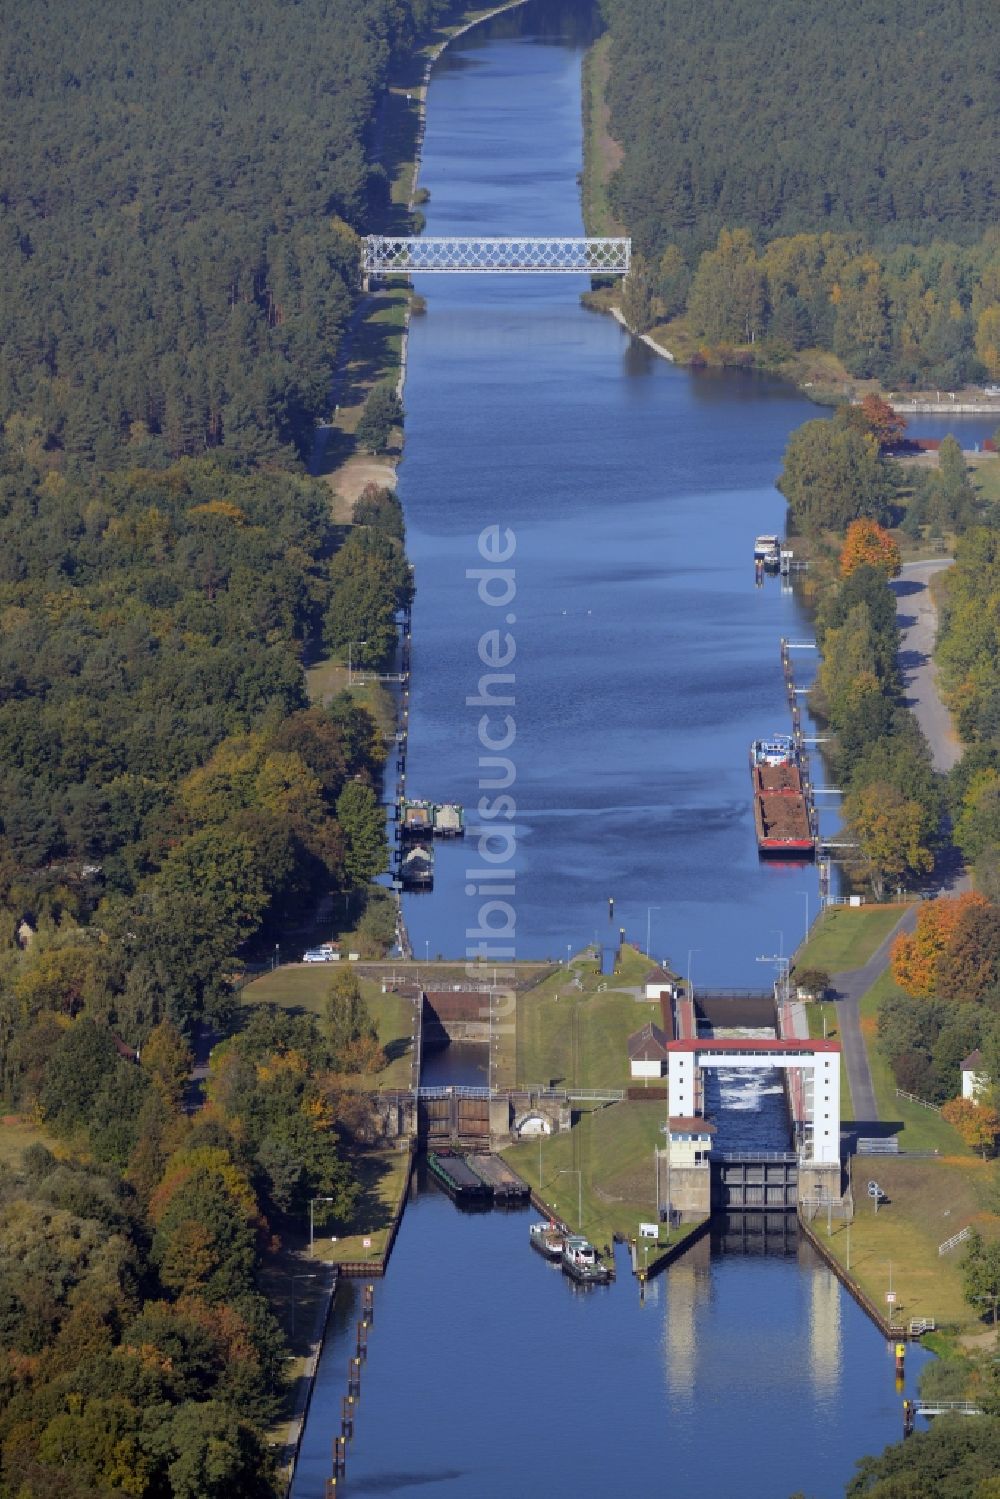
[(867, 544), (977, 1123)]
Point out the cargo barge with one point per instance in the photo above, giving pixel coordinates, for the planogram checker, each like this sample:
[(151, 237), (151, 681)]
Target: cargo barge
[(781, 813), (458, 1180), (505, 1184)]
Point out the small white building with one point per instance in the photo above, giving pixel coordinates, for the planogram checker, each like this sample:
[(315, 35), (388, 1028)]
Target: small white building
[(974, 1079), (658, 983), (647, 1051), (690, 1140)]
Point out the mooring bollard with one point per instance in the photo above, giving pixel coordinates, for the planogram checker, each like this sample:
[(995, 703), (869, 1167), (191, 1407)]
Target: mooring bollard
[(330, 1491), (339, 1456), (900, 1358)]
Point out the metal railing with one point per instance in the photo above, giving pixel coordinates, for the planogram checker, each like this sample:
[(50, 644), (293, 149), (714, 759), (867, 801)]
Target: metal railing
[(946, 1408), (788, 1157), (403, 255), (876, 1145)]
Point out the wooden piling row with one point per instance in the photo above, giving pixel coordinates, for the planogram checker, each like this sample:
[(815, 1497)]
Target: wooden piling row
[(349, 1402), (796, 714)]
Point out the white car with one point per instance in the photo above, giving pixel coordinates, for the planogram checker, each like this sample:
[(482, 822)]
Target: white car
[(319, 955)]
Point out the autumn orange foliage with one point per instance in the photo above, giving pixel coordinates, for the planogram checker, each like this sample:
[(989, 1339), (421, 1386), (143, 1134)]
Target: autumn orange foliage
[(977, 1123), (916, 959), (869, 544), (885, 423)]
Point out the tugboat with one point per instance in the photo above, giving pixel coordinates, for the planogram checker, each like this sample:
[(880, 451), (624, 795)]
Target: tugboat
[(547, 1239), (580, 1262)]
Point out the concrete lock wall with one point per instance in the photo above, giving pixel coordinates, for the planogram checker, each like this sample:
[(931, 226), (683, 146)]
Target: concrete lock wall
[(685, 1189)]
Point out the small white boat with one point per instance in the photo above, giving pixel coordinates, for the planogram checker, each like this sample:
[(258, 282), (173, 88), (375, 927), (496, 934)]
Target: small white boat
[(767, 551)]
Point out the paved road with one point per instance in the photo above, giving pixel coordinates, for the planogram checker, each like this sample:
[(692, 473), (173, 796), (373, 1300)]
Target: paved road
[(917, 618), (848, 988)]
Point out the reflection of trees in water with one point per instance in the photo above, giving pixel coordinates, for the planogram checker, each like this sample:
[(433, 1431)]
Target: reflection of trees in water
[(562, 20)]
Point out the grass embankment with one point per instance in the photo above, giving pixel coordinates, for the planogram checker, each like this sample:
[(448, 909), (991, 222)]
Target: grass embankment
[(383, 1175), (572, 1029), (929, 1201), (612, 1149), (846, 937), (602, 155), (824, 1023), (302, 988)]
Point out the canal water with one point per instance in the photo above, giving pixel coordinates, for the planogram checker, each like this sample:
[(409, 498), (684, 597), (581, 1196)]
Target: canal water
[(646, 662), (646, 658)]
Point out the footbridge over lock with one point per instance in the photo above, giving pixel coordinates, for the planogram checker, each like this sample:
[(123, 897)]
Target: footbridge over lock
[(519, 255)]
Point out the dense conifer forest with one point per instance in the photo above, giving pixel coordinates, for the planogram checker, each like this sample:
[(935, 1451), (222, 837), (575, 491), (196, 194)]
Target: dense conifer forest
[(791, 117), (800, 176)]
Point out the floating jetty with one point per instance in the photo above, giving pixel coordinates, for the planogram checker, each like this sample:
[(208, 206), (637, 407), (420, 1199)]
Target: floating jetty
[(457, 1178), (504, 1183)]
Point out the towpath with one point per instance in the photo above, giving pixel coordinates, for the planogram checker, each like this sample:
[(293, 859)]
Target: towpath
[(917, 617), (849, 988)]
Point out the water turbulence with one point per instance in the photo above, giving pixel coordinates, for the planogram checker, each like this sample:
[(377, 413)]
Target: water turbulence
[(749, 1108)]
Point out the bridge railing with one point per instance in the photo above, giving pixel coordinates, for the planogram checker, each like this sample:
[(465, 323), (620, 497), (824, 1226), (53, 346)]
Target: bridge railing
[(405, 255)]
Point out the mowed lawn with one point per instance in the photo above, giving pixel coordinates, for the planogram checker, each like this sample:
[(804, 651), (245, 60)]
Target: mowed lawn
[(303, 987), (930, 1200), (847, 936), (572, 1031), (384, 1176), (613, 1150)]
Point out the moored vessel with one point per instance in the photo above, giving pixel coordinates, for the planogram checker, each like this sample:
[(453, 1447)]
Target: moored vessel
[(416, 868), (767, 552), (580, 1261), (781, 814), (548, 1239)]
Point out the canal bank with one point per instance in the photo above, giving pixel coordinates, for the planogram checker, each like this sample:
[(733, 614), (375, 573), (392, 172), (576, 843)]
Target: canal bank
[(646, 663)]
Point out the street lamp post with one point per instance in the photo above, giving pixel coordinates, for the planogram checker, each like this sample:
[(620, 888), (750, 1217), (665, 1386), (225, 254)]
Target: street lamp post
[(350, 669), (575, 1171), (805, 896), (649, 910), (312, 1204), (691, 950)]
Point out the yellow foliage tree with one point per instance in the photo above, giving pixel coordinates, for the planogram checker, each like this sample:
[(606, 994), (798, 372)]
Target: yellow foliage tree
[(867, 544), (977, 1123), (915, 958)]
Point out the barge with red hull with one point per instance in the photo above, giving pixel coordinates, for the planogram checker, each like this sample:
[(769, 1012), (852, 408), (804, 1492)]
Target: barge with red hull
[(781, 813)]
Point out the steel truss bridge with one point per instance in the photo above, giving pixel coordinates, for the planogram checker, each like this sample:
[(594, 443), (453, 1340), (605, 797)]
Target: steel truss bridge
[(438, 255)]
